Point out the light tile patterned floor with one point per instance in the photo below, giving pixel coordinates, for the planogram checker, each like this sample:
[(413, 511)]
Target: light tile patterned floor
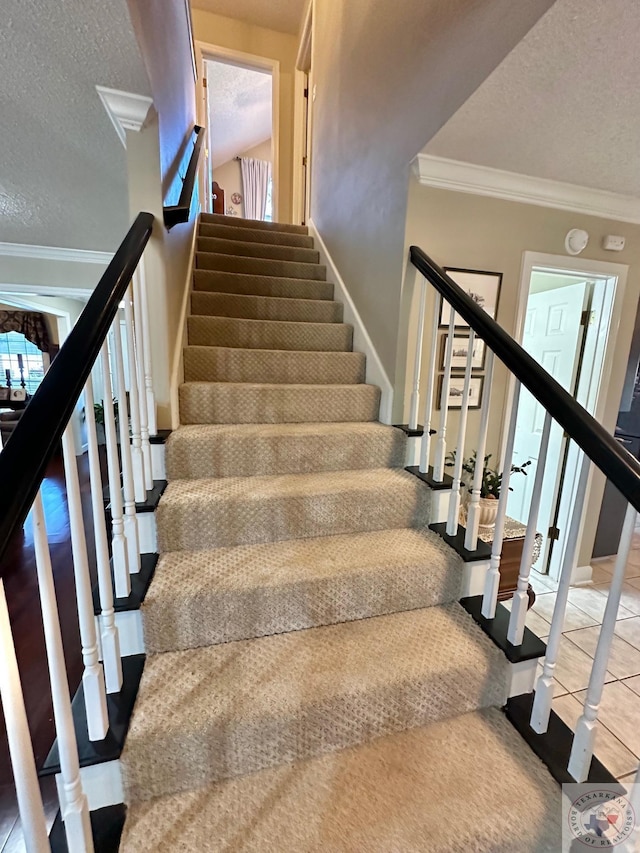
[(618, 738)]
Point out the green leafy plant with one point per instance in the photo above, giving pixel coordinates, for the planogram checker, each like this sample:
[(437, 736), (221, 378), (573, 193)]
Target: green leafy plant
[(491, 485), (98, 409)]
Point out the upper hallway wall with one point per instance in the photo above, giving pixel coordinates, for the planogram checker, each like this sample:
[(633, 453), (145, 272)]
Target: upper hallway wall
[(387, 76)]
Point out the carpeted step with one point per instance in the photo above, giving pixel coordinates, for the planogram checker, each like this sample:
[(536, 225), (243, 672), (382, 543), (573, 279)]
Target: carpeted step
[(268, 334), (244, 450), (260, 266), (266, 308), (255, 235), (257, 250), (230, 364), (217, 513), (201, 598), (209, 714), (261, 285), (239, 222), (451, 787)]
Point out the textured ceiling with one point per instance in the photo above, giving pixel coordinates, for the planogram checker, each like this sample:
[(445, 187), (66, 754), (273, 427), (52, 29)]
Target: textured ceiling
[(62, 166), (282, 15), (564, 104), (239, 109)]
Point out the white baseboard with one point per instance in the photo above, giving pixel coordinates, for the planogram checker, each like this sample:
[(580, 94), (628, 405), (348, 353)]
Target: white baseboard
[(158, 466), (102, 784), (147, 532), (177, 373), (521, 677), (473, 578), (376, 374), (581, 574)]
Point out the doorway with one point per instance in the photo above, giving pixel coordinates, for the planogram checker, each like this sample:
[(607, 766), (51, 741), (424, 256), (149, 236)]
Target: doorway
[(568, 310), (303, 120)]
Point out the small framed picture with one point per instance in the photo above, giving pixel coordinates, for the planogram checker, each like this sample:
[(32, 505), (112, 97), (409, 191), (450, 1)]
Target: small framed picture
[(460, 352), (456, 390), (482, 287)]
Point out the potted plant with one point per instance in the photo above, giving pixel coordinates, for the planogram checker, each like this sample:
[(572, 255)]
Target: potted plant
[(490, 486)]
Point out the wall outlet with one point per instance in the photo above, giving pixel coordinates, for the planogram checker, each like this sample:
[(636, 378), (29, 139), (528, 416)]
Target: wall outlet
[(613, 243)]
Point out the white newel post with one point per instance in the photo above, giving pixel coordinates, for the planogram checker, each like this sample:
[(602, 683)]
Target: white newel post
[(515, 632), (93, 676), (75, 811), (543, 696), (130, 519), (492, 582), (110, 641), (137, 459), (139, 361), (441, 435), (585, 734), (25, 776), (473, 509), (417, 363), (119, 551), (146, 343), (425, 444), (454, 500)]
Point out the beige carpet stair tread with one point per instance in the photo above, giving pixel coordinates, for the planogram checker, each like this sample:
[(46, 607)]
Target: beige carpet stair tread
[(261, 285), (241, 403), (255, 235), (244, 450), (260, 266), (269, 334), (266, 307), (201, 598), (231, 364), (240, 222), (209, 714), (229, 511), (248, 249), (457, 786)]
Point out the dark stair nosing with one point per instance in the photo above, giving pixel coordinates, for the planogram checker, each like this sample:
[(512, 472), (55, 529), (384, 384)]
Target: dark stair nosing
[(106, 827), (120, 708), (411, 432), (496, 629), (140, 582), (554, 746), (153, 497), (428, 478), (160, 437), (482, 550)]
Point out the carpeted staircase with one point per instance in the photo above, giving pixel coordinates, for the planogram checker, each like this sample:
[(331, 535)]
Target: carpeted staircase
[(311, 682)]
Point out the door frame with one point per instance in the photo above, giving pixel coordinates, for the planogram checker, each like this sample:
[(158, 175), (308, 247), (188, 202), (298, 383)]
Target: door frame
[(303, 121), (206, 51)]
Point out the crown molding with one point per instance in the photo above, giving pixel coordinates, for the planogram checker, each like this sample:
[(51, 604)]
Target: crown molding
[(126, 110), (462, 177), (54, 253)]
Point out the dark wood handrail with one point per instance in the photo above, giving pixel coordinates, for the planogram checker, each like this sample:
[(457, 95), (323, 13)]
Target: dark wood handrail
[(619, 466), (176, 213), (24, 460)]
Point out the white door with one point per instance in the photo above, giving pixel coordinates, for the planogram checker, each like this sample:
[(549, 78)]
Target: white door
[(552, 336)]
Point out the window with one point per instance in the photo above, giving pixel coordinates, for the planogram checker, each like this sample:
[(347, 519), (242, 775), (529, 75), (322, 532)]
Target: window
[(13, 344), (268, 211)]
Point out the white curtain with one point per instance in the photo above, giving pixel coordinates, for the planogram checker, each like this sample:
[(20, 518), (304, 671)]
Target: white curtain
[(255, 183)]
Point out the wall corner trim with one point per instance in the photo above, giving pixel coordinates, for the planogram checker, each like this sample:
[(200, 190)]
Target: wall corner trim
[(54, 253), (126, 110), (458, 176)]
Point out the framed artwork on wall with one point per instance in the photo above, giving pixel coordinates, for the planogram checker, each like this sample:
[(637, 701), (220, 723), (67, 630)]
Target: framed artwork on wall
[(456, 390), (482, 287), (460, 352)]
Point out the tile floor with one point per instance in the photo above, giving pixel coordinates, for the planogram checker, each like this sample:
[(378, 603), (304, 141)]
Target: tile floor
[(618, 738)]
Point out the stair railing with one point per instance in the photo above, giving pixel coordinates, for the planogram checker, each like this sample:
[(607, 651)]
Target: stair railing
[(597, 448), (96, 350)]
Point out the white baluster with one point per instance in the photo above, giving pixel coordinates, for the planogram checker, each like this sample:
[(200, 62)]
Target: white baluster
[(425, 444), (146, 342), (417, 363), (454, 500), (93, 676), (108, 631), (130, 520), (585, 734), (119, 551), (520, 605), (25, 776), (441, 436), (75, 811), (473, 509), (137, 459), (139, 349), (492, 582), (544, 686)]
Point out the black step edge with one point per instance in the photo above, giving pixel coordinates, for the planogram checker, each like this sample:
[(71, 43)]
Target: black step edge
[(554, 746), (427, 477), (106, 827), (496, 629), (140, 582), (119, 706), (160, 437), (153, 497), (482, 550), (410, 431)]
